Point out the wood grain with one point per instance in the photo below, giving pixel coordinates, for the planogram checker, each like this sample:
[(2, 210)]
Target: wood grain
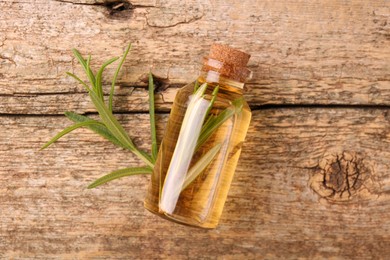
[(299, 55), (271, 212), (313, 181)]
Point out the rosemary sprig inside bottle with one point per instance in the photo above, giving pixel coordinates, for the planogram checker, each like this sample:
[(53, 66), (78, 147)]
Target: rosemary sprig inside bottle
[(109, 128)]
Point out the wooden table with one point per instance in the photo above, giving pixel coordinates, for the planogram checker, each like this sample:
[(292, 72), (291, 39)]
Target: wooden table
[(314, 177)]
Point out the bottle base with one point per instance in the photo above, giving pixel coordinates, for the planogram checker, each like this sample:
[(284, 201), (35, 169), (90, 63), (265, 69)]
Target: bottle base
[(155, 211), (181, 221)]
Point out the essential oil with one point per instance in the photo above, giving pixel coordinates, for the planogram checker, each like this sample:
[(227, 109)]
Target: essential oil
[(202, 143)]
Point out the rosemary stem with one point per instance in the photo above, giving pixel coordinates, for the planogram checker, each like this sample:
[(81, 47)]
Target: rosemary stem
[(142, 157), (152, 118)]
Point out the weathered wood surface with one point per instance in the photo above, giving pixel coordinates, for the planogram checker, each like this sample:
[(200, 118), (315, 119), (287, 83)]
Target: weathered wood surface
[(312, 182), (272, 210), (303, 52)]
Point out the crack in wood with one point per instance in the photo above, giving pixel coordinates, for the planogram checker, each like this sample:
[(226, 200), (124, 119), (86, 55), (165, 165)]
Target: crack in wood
[(75, 2), (9, 59), (134, 112), (117, 4), (113, 7), (194, 19)]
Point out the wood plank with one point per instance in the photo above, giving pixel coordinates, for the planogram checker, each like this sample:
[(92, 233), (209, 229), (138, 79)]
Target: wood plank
[(276, 207), (339, 55), (312, 182)]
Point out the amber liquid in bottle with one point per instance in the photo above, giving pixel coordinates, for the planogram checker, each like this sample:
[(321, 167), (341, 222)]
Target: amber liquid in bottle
[(201, 202)]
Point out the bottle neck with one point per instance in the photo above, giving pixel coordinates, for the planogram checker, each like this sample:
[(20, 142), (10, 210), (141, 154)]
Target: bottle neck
[(214, 78), (223, 74)]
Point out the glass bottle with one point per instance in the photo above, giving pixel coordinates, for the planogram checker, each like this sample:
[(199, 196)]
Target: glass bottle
[(199, 152)]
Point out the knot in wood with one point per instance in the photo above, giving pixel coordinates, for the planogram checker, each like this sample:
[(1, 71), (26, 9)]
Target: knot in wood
[(340, 176)]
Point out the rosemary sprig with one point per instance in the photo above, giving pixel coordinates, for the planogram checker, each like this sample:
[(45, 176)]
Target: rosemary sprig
[(116, 129), (109, 128)]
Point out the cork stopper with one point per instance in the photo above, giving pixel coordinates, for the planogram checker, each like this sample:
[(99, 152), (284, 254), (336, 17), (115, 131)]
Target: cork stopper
[(227, 62), (229, 55)]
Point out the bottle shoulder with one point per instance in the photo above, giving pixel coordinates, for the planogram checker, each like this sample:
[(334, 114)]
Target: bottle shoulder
[(246, 107), (225, 102), (187, 89), (225, 96)]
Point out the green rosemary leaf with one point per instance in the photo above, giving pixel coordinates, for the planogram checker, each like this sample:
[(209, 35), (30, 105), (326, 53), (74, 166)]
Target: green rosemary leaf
[(215, 92), (213, 98), (102, 130), (83, 63), (99, 129), (210, 119), (79, 80), (68, 130), (120, 173), (116, 75), (99, 76), (110, 121), (213, 124), (80, 58), (201, 90), (196, 86), (90, 75), (152, 118), (160, 177), (200, 165), (116, 129)]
